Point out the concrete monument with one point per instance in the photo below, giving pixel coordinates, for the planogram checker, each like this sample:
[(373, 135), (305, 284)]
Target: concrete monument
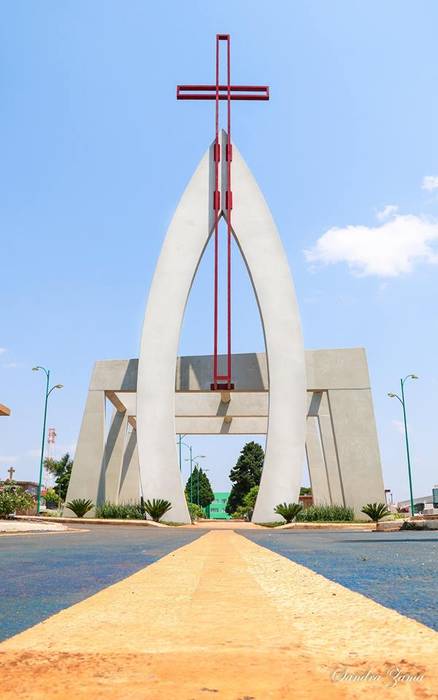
[(158, 396)]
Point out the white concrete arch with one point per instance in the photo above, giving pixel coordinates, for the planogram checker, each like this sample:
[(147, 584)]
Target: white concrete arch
[(261, 247)]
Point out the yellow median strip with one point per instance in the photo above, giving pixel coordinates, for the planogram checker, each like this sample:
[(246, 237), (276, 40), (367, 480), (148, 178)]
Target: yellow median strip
[(222, 617)]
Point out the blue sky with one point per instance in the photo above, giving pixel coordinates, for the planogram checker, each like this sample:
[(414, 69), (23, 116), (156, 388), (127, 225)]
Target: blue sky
[(96, 153)]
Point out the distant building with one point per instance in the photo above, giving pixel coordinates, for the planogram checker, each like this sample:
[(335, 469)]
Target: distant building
[(217, 507), (422, 503)]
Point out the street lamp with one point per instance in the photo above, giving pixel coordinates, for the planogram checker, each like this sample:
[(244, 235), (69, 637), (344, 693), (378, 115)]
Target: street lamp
[(47, 394), (180, 444), (403, 403)]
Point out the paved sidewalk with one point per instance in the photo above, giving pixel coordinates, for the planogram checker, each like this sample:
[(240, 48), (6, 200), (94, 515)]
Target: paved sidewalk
[(221, 617), (20, 526)]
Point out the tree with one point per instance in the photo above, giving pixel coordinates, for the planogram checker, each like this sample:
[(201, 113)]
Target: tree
[(198, 488), (61, 470), (246, 509), (245, 475)]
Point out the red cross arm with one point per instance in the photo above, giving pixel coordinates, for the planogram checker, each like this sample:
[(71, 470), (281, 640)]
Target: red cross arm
[(208, 92)]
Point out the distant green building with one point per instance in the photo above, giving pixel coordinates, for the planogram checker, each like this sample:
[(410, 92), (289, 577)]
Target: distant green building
[(217, 507)]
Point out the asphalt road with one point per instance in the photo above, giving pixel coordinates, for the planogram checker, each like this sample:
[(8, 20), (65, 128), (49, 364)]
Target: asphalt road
[(397, 569), (41, 574)]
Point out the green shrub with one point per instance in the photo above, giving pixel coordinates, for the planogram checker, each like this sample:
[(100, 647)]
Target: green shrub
[(240, 513), (120, 511), (80, 506), (13, 498), (288, 511), (326, 513), (51, 497), (376, 511), (195, 511), (157, 508)]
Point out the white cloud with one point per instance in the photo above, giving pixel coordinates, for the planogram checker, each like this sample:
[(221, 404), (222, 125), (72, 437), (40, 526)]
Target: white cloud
[(11, 365), (2, 350), (388, 250), (398, 426), (430, 183), (387, 211), (9, 459)]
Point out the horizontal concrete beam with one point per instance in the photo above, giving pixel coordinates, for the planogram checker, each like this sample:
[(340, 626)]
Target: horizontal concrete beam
[(221, 426), (4, 410), (344, 368), (210, 404)]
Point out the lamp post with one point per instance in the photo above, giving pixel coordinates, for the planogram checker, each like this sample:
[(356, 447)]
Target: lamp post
[(180, 444), (47, 394), (403, 403)]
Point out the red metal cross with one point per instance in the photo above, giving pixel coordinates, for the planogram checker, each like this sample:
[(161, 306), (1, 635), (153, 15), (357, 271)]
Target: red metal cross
[(220, 92)]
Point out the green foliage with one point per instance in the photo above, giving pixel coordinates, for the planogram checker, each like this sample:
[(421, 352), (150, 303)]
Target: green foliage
[(80, 506), (198, 488), (51, 497), (195, 511), (245, 510), (241, 513), (334, 513), (120, 511), (61, 470), (157, 508), (13, 498), (376, 511), (288, 511), (250, 498), (305, 491), (245, 475)]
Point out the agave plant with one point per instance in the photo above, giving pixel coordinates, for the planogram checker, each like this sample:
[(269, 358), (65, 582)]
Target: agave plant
[(157, 508), (376, 511), (80, 506), (288, 511)]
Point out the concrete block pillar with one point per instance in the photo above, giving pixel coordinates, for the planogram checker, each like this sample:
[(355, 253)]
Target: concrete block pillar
[(316, 463), (330, 453), (85, 476), (129, 489), (356, 446), (113, 458)]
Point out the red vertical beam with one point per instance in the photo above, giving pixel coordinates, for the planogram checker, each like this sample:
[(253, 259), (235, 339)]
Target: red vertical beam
[(216, 204), (217, 207), (229, 206)]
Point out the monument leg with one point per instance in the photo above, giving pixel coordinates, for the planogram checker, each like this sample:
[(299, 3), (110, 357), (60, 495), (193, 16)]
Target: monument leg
[(87, 465), (357, 446), (130, 478), (316, 463), (112, 461), (330, 453)]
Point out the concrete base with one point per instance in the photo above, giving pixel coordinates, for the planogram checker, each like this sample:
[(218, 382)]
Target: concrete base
[(341, 442)]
